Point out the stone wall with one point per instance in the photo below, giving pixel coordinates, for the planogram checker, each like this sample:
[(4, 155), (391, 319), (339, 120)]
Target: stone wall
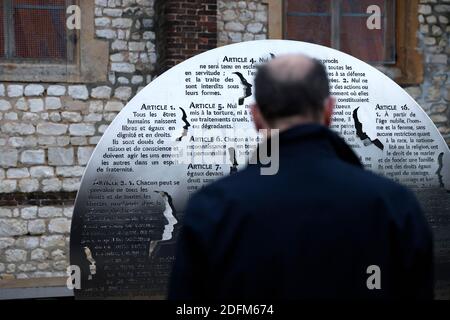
[(241, 21), (35, 241), (433, 95), (48, 132)]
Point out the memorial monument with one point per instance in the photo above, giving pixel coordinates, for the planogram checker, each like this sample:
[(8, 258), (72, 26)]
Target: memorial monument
[(192, 125)]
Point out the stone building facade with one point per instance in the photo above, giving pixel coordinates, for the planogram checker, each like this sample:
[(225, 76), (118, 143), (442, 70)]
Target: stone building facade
[(48, 132), (49, 129)]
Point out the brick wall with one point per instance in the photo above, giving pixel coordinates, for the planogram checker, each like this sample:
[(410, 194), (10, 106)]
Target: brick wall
[(185, 28)]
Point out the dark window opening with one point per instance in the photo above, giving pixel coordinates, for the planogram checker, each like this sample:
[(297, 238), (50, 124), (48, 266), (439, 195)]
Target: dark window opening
[(34, 30), (342, 24)]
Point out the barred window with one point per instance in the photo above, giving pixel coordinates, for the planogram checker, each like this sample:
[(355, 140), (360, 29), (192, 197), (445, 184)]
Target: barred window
[(34, 30), (342, 24)]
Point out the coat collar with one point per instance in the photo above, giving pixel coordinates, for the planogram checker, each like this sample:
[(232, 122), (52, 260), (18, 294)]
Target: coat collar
[(309, 132)]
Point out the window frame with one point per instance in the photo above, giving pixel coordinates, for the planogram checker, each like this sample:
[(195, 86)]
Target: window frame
[(89, 63), (10, 41), (408, 59), (336, 14)]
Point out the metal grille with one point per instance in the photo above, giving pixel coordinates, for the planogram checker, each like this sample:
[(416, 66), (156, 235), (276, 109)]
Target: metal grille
[(34, 29), (341, 24), (310, 21), (2, 33)]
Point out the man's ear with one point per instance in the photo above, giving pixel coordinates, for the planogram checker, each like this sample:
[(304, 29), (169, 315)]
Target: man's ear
[(258, 119), (329, 108)]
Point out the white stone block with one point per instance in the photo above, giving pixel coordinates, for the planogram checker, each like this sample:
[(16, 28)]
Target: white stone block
[(5, 213), (28, 185), (33, 157), (68, 212), (51, 129), (58, 254), (51, 185), (17, 173), (114, 106), (36, 227), (122, 23), (123, 67), (41, 172), (119, 45), (11, 116), (5, 105), (36, 105), (79, 92), (8, 157), (84, 154), (59, 225), (52, 103), (56, 90), (6, 243), (39, 254), (34, 90), (29, 213), (137, 79), (27, 242), (82, 129), (7, 186), (22, 104), (49, 212), (15, 90), (106, 33), (12, 227), (18, 128), (15, 255), (60, 156), (52, 241), (73, 171), (102, 22), (71, 116), (71, 184), (123, 93), (103, 92)]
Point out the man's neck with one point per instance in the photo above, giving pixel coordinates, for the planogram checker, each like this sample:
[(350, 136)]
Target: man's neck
[(290, 122)]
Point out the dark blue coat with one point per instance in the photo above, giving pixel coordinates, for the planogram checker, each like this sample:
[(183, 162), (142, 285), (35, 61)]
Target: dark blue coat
[(310, 231)]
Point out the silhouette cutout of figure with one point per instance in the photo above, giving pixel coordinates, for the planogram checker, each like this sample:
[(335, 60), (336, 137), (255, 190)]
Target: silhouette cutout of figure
[(234, 163), (169, 215), (92, 266), (439, 170), (186, 125), (363, 135), (247, 90)]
